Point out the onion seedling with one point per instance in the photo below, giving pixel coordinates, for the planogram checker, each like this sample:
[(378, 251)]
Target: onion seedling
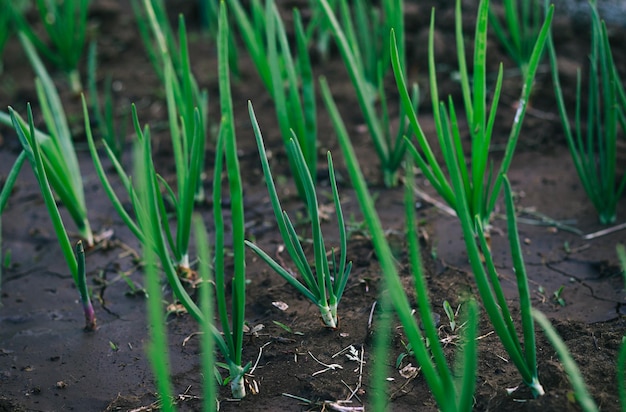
[(366, 62), (583, 397), (152, 227), (449, 395), (520, 29), (187, 110), (207, 360), (104, 111), (485, 274), (480, 185), (593, 147), (157, 346), (227, 148), (320, 284), (288, 79), (65, 23), (57, 147), (184, 97), (35, 155)]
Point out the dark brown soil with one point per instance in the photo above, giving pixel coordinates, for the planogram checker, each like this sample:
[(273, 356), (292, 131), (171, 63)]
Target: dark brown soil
[(47, 362)]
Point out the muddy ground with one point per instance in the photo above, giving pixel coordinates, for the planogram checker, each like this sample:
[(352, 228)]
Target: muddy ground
[(47, 362)]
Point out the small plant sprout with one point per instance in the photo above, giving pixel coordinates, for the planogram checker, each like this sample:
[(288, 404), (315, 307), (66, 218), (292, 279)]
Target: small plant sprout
[(583, 397), (480, 184), (324, 283), (451, 314), (65, 23), (592, 144), (365, 57), (31, 146), (57, 147)]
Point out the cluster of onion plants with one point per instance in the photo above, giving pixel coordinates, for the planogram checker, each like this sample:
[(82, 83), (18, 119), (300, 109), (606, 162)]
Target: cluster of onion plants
[(485, 273), (65, 23), (481, 186), (324, 283), (151, 225), (57, 146), (471, 190), (593, 143), (472, 193), (365, 52), (288, 79)]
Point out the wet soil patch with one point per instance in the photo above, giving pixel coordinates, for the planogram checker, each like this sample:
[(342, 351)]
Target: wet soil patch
[(48, 363)]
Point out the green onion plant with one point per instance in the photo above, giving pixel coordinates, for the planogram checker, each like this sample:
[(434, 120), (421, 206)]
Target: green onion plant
[(57, 146), (287, 77), (151, 226), (155, 10), (156, 349), (485, 274), (592, 143), (583, 397), (519, 31), (207, 361), (318, 30), (365, 53), (76, 263), (65, 23), (450, 394), (187, 110), (324, 283), (252, 30), (233, 331), (104, 111), (481, 186)]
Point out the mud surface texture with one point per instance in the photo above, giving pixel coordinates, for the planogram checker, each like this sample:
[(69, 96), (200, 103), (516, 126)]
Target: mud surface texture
[(47, 362)]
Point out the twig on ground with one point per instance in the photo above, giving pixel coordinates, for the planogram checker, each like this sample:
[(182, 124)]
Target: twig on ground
[(332, 366), (428, 198), (606, 231)]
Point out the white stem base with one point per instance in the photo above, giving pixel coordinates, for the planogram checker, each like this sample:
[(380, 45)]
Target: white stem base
[(536, 388), (329, 319), (237, 387)]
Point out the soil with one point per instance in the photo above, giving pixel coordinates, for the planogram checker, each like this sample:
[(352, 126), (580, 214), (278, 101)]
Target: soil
[(47, 362)]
